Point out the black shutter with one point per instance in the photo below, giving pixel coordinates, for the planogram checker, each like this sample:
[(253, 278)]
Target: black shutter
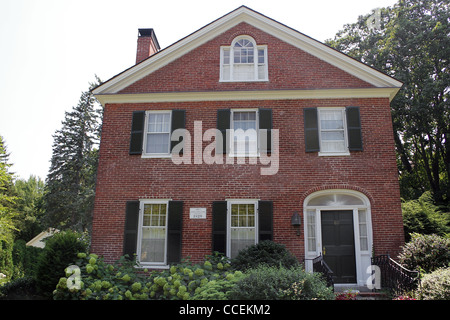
[(223, 123), (178, 122), (219, 226), (265, 122), (131, 228), (354, 129), (311, 130), (137, 132), (265, 220), (174, 229)]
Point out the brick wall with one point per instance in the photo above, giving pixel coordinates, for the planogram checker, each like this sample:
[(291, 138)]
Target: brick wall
[(289, 68), (122, 177)]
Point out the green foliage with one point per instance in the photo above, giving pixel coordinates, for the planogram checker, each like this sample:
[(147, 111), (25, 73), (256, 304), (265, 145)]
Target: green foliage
[(280, 283), (25, 259), (422, 216), (265, 252), (7, 196), (70, 185), (412, 45), (20, 288), (436, 285), (29, 205), (425, 252), (122, 281), (60, 251)]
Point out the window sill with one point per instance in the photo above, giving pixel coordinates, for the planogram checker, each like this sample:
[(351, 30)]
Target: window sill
[(333, 154), (156, 155), (263, 80), (153, 266)]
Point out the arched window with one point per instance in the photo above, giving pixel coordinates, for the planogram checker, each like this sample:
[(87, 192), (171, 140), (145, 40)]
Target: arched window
[(243, 61)]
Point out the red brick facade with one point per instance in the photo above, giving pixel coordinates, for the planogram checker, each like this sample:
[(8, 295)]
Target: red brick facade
[(123, 177)]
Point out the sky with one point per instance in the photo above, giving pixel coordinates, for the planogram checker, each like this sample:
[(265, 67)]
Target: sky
[(50, 50)]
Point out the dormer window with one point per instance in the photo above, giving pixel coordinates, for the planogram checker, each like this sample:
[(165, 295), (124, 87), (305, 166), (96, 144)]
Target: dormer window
[(243, 61)]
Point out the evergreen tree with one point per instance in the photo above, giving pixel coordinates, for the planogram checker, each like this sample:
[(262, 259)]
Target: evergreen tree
[(412, 44), (7, 197), (70, 184)]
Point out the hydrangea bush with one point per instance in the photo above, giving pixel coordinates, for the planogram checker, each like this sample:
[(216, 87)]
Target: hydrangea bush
[(90, 278)]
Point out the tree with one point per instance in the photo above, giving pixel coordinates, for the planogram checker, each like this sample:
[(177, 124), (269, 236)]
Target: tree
[(7, 198), (70, 184), (413, 45), (29, 205)]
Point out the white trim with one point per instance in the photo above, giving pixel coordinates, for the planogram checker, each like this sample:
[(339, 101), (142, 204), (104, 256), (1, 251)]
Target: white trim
[(231, 153), (244, 14), (144, 140), (228, 231), (255, 63), (362, 257), (247, 95), (344, 152), (142, 203)]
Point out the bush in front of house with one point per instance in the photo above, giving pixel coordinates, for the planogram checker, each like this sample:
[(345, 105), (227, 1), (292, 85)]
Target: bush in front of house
[(426, 252), (280, 283), (60, 251), (436, 285), (265, 252), (93, 279)]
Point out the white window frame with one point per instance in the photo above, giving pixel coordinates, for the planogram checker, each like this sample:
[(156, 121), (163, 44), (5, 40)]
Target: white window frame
[(345, 151), (255, 63), (142, 203), (232, 134), (230, 202), (144, 147)]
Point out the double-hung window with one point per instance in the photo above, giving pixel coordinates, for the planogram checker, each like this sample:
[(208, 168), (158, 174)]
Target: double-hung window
[(332, 130), (153, 232), (157, 133), (242, 225), (243, 61), (244, 126)]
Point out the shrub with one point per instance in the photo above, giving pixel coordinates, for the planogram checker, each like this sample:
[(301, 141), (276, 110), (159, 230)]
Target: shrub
[(427, 252), (436, 285), (280, 283), (265, 252), (122, 281), (20, 288), (60, 251)]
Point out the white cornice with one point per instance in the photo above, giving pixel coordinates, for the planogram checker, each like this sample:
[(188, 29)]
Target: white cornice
[(244, 14), (247, 95)]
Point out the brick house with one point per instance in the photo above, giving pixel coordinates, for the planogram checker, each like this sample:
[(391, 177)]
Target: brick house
[(247, 130)]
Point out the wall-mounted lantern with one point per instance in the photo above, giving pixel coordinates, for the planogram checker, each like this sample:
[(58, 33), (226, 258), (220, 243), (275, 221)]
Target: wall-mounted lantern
[(296, 221)]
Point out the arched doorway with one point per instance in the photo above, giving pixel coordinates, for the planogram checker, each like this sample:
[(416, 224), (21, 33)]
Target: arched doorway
[(337, 224)]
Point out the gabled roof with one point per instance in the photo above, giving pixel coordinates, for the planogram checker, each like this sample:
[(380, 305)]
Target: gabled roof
[(266, 24)]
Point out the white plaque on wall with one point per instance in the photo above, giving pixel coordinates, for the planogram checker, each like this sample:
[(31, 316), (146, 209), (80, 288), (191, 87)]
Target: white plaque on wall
[(197, 213)]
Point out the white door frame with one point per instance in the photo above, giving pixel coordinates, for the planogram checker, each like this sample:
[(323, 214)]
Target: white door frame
[(362, 255)]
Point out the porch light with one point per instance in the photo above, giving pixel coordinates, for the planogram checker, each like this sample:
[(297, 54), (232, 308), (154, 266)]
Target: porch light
[(296, 221)]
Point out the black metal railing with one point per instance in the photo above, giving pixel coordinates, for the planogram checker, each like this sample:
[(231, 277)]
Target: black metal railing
[(319, 265), (395, 277)]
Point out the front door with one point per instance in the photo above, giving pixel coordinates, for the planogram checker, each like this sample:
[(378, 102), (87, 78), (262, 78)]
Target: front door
[(338, 244)]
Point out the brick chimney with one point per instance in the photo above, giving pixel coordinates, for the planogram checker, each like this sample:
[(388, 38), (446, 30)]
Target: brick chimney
[(147, 44)]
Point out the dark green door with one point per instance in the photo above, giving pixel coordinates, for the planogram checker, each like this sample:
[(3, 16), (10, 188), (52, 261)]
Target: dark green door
[(338, 244)]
